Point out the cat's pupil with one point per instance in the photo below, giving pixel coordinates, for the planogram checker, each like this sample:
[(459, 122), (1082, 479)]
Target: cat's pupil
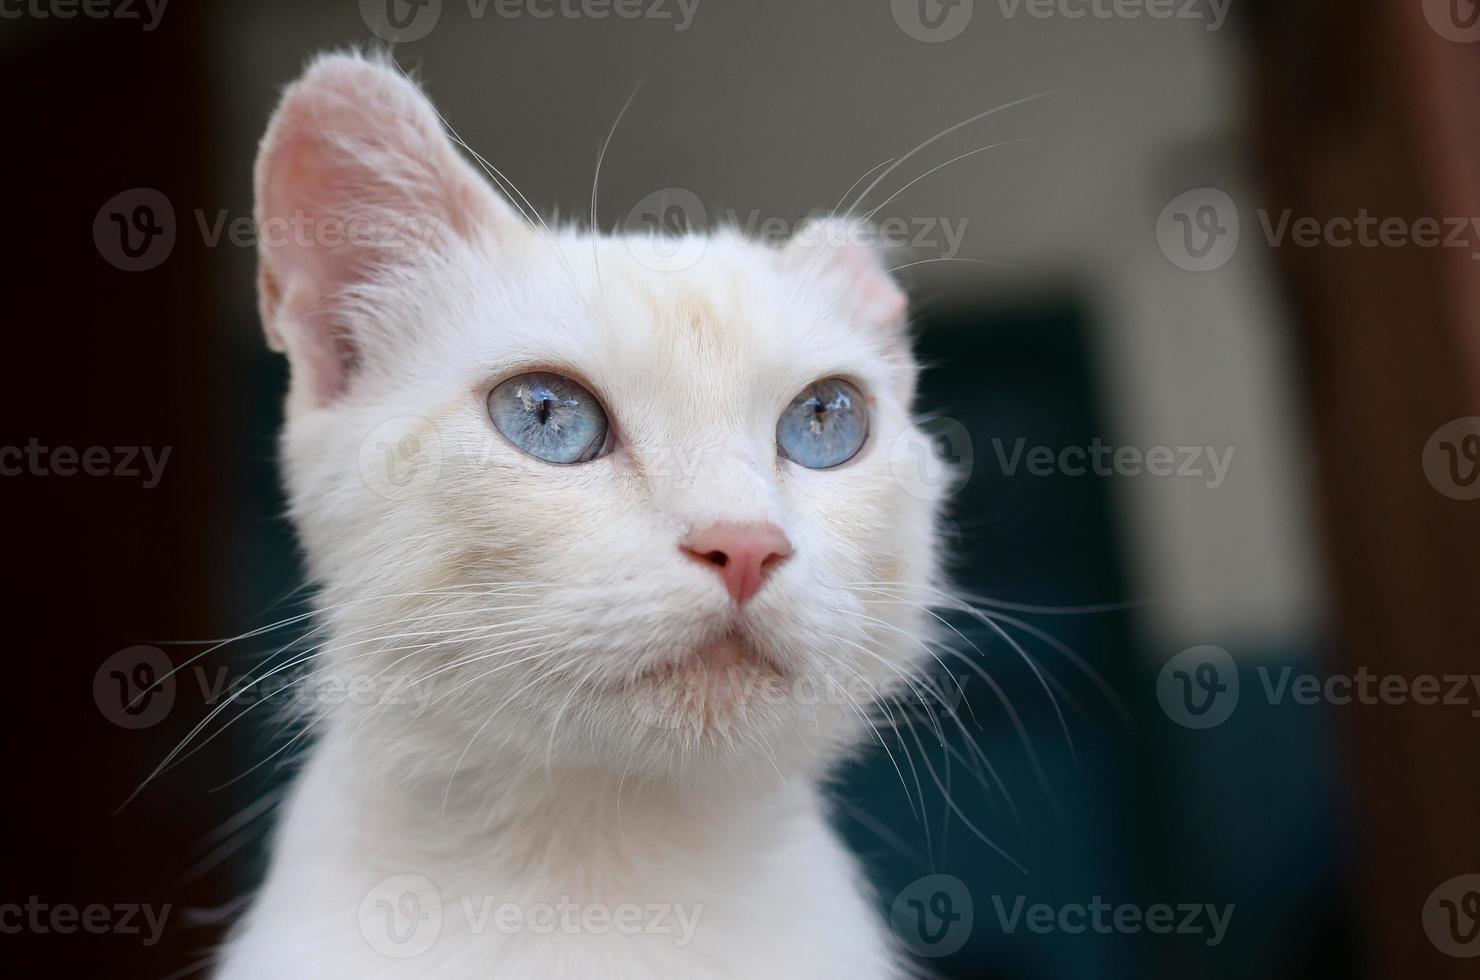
[(544, 410), (820, 412)]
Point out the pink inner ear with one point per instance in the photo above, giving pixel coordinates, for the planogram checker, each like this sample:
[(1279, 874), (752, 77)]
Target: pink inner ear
[(305, 189), (304, 327), (879, 296), (305, 197), (848, 251), (302, 271), (354, 176)]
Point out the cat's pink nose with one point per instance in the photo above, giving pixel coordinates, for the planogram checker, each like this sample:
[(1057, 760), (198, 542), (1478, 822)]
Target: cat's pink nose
[(742, 554)]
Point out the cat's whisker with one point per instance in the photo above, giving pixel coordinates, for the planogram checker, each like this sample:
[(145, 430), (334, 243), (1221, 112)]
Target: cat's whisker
[(854, 186), (240, 820), (503, 182), (499, 652), (939, 167), (801, 286), (930, 612), (838, 303), (966, 735), (847, 216), (337, 643), (878, 828), (413, 682), (770, 755), (223, 851), (205, 963), (967, 261), (503, 628), (941, 135), (879, 735), (1001, 787), (478, 631), (384, 758), (1070, 654), (939, 733), (511, 191), (458, 591), (560, 714), (303, 731), (272, 627), (966, 600), (1032, 664), (969, 604), (944, 788), (921, 643), (596, 186), (472, 660), (956, 809), (531, 215), (1019, 728), (179, 756), (538, 679), (175, 755)]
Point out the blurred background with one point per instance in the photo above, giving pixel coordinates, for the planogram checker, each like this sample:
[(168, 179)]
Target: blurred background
[(1198, 305)]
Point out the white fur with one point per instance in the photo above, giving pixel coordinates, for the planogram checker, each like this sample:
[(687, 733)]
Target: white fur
[(549, 770)]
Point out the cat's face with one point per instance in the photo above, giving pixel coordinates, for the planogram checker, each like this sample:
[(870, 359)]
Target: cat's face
[(591, 507)]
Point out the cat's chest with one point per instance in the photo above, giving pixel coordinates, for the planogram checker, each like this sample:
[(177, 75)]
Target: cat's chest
[(779, 906), (817, 932)]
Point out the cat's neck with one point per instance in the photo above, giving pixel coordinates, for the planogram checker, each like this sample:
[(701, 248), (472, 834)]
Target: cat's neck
[(514, 814)]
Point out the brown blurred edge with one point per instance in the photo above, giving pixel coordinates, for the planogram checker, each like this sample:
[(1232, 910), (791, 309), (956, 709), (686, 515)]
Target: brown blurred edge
[(1365, 105)]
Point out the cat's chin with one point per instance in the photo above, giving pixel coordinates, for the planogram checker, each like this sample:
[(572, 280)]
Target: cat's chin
[(711, 690)]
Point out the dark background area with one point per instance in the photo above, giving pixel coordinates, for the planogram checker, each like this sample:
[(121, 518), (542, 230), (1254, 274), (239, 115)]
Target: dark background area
[(1091, 334)]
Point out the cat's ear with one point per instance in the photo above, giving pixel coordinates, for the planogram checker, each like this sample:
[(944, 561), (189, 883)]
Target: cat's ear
[(355, 180), (848, 251)]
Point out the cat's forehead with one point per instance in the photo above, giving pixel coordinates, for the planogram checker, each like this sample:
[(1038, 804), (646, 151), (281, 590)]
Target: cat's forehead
[(733, 313)]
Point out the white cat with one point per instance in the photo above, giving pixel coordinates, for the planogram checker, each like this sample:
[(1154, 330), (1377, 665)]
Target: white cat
[(603, 530)]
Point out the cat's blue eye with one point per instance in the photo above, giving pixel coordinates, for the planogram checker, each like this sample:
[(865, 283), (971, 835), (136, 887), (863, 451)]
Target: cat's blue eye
[(824, 426), (549, 417)]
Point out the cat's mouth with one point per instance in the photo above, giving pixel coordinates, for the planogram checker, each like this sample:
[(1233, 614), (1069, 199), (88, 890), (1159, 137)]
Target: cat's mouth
[(711, 685), (727, 658)]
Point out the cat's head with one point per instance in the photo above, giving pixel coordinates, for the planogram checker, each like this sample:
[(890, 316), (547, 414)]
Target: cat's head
[(578, 497)]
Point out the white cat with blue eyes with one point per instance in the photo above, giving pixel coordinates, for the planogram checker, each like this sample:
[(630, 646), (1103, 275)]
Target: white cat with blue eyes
[(639, 511)]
